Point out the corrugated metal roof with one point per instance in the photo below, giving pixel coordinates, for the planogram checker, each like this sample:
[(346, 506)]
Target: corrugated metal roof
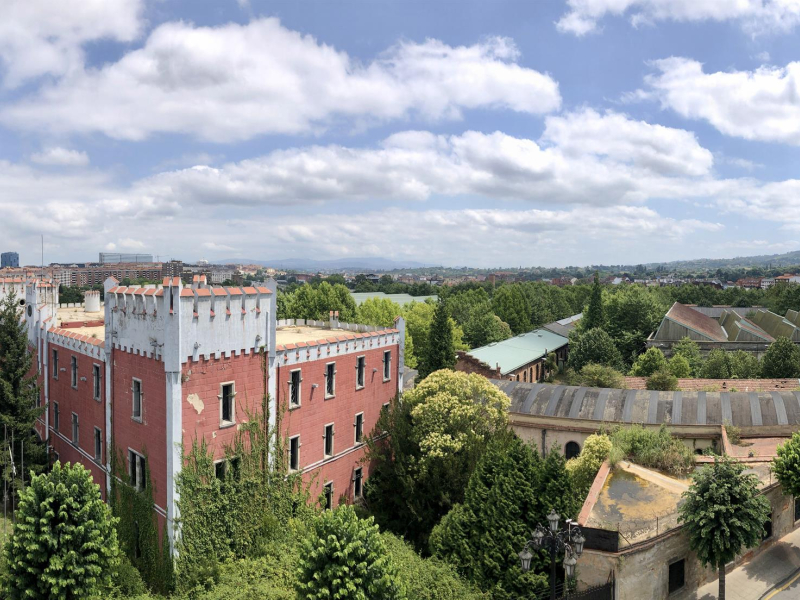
[(520, 350), (563, 327), (743, 409), (688, 317)]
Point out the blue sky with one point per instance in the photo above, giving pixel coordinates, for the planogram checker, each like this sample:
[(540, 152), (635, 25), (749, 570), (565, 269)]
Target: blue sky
[(503, 133)]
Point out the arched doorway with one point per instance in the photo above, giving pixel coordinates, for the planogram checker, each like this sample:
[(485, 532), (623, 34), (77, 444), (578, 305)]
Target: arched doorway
[(572, 450)]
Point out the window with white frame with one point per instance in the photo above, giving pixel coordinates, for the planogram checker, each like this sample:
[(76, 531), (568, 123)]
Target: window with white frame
[(227, 404), (75, 431), (359, 428), (136, 470), (96, 381), (74, 372), (358, 482), (136, 412), (295, 380), (98, 445), (55, 416), (361, 367), (328, 494), (55, 363), (330, 380), (294, 453), (328, 441), (387, 365)]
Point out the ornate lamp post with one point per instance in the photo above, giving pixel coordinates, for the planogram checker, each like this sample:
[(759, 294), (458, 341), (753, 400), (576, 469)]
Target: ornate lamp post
[(568, 541)]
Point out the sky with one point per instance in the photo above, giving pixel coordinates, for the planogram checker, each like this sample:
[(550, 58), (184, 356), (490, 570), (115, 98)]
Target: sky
[(480, 133)]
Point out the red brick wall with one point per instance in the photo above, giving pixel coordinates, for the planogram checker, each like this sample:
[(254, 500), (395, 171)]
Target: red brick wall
[(315, 412), (150, 436), (91, 412), (203, 378)]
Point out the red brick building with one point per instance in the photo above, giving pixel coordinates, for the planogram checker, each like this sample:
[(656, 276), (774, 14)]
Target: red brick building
[(163, 366)]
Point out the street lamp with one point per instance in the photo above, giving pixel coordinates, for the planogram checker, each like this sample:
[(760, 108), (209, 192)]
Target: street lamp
[(568, 541)]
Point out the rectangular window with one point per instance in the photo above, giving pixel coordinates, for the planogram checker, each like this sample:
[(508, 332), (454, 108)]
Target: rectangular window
[(98, 445), (328, 492), (357, 483), (136, 470), (797, 508), (74, 371), (55, 363), (294, 453), (330, 380), (55, 416), (387, 365), (227, 407), (676, 575), (359, 427), (767, 529), (96, 381), (295, 379), (74, 429), (137, 400), (328, 441), (361, 367), (220, 468)]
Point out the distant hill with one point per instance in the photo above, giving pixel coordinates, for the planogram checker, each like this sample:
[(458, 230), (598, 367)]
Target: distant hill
[(339, 264), (763, 260)]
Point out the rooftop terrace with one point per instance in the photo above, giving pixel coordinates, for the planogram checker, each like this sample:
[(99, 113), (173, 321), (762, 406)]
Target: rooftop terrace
[(76, 319)]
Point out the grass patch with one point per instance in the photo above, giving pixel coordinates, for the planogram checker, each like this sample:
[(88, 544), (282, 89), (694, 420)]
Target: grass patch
[(652, 448)]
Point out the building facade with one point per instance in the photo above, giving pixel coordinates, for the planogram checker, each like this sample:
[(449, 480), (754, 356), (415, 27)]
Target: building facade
[(9, 260), (161, 367)]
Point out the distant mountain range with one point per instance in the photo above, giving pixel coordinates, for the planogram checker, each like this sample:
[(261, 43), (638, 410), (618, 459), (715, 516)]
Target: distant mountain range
[(763, 260), (339, 264)]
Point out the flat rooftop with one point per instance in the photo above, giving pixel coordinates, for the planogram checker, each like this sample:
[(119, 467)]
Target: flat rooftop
[(294, 334), (78, 320)]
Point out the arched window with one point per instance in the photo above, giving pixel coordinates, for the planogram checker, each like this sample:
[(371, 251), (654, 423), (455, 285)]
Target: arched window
[(572, 450), (525, 376)]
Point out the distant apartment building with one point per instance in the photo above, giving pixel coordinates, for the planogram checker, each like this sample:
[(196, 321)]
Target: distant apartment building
[(9, 260), (749, 283), (787, 278), (108, 258), (89, 275)]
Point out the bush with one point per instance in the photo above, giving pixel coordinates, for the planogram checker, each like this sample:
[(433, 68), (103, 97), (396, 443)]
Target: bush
[(679, 367), (652, 448), (648, 363), (662, 380), (593, 375), (716, 366), (594, 346), (782, 359), (744, 365), (583, 469)]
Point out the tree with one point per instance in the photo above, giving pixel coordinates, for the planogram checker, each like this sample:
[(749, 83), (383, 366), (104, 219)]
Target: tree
[(786, 465), (716, 365), (744, 365), (593, 316), (502, 505), (594, 346), (690, 350), (593, 375), (583, 469), (377, 311), (648, 363), (662, 380), (19, 396), (440, 352), (344, 558), (679, 367), (511, 305), (632, 314), (782, 359), (723, 514), (484, 327), (64, 544)]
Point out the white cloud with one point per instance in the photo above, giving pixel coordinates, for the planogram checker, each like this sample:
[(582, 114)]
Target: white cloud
[(754, 16), (756, 105), (235, 82), (214, 247), (55, 155), (39, 37), (131, 244)]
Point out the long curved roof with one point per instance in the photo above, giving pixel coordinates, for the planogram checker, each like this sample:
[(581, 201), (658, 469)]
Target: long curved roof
[(743, 409)]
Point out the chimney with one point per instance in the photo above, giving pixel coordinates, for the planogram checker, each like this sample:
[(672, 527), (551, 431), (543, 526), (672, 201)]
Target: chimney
[(334, 319)]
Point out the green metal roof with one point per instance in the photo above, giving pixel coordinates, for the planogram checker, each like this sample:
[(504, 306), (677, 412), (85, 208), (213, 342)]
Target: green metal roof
[(518, 351), (401, 299)]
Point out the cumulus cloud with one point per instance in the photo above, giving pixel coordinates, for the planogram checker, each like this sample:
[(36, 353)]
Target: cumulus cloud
[(763, 104), (55, 155), (754, 16), (235, 82), (39, 37)]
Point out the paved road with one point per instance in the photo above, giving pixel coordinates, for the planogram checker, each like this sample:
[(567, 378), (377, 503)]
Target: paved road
[(789, 590)]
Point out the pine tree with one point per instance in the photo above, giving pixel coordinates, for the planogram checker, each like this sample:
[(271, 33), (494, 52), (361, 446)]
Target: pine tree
[(593, 317), (18, 396), (440, 352), (723, 513)]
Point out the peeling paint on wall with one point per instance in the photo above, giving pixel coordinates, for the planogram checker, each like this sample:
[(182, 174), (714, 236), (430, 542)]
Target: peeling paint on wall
[(196, 402)]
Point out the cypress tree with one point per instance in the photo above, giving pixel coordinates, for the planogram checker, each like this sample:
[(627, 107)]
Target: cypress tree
[(440, 352), (558, 492), (593, 317), (18, 395)]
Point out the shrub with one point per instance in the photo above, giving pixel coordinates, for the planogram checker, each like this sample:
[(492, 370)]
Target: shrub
[(744, 365), (593, 375), (594, 346), (648, 363), (679, 367), (786, 465), (782, 359), (64, 544), (653, 448), (583, 469), (662, 380), (716, 366), (734, 433)]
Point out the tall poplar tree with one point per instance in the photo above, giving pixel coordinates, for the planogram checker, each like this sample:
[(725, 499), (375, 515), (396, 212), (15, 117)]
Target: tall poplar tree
[(440, 352), (593, 317), (18, 397)]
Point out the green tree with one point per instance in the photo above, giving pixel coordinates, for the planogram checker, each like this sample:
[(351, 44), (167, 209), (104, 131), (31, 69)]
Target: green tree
[(19, 396), (679, 367), (583, 468), (484, 327), (632, 314), (440, 352), (744, 365), (419, 316), (64, 545), (648, 363), (502, 505), (344, 558), (594, 346), (716, 366), (723, 514), (662, 380), (511, 305), (593, 315), (377, 311), (690, 350), (593, 375), (782, 359), (786, 465)]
